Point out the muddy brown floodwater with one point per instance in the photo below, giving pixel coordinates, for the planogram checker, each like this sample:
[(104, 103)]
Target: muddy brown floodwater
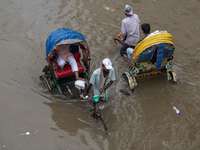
[(143, 121)]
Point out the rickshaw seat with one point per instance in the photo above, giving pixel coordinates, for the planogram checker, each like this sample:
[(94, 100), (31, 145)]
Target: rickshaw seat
[(67, 68)]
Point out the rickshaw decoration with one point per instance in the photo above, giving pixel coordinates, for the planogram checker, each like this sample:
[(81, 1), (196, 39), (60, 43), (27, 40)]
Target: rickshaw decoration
[(53, 78), (152, 56)]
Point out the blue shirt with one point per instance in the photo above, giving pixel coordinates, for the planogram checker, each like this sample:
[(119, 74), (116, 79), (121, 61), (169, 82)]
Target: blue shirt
[(95, 81)]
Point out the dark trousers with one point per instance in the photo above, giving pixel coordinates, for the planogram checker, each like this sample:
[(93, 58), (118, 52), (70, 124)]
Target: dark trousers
[(124, 47)]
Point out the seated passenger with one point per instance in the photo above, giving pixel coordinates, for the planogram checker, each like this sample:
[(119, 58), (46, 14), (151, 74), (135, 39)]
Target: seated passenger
[(64, 55), (146, 31)]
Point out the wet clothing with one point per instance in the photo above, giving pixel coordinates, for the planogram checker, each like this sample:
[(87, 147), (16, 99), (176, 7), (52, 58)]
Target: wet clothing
[(123, 49), (130, 52), (95, 81), (130, 30), (61, 62), (73, 63)]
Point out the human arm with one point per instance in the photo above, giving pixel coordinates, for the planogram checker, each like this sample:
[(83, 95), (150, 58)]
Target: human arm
[(123, 31), (91, 82), (88, 88), (112, 78), (105, 87)]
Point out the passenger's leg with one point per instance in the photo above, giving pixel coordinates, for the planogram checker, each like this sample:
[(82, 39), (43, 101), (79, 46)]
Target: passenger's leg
[(74, 66), (123, 50), (129, 52), (77, 76)]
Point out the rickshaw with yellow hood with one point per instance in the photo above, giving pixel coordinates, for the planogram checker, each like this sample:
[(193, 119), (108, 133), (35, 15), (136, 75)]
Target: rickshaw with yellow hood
[(152, 56)]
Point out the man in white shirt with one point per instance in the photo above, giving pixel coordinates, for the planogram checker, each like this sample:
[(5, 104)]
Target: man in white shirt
[(101, 79)]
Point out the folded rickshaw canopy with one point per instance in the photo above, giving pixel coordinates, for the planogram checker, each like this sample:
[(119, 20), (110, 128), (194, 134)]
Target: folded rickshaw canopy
[(62, 36)]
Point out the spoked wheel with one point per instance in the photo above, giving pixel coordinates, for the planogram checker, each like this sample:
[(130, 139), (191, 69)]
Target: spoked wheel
[(86, 79), (173, 76), (48, 85), (103, 124), (96, 112), (58, 88)]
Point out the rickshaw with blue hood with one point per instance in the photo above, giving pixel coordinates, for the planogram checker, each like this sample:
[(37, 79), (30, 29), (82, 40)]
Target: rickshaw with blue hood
[(59, 44), (66, 41)]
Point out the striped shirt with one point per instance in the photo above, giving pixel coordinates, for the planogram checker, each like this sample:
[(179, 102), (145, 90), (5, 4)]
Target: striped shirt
[(130, 30)]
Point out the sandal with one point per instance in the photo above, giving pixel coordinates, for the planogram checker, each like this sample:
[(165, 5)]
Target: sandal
[(124, 92)]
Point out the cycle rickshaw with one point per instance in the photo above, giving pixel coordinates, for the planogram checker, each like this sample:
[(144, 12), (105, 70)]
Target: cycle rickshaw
[(54, 78), (152, 56)]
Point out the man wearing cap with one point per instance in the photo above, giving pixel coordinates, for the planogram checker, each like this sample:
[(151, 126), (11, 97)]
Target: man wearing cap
[(101, 79), (130, 30)]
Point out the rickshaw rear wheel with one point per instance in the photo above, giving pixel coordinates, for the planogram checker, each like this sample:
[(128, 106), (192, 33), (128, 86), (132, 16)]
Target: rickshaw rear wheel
[(58, 88), (86, 79), (46, 81)]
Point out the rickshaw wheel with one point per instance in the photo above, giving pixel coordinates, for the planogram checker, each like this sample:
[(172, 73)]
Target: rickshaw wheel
[(86, 79), (48, 85), (58, 88)]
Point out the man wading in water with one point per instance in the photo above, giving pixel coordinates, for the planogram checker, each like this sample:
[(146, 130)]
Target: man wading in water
[(101, 79)]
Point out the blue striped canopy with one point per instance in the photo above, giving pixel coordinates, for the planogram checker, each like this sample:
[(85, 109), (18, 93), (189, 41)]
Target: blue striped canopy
[(67, 35)]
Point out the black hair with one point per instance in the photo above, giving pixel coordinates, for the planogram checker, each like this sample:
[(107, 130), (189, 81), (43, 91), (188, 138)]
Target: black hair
[(146, 28)]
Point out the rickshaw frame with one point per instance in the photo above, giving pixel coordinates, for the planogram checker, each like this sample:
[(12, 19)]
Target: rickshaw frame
[(151, 56), (66, 36)]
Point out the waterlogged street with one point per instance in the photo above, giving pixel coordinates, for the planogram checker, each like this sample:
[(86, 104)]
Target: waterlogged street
[(145, 120)]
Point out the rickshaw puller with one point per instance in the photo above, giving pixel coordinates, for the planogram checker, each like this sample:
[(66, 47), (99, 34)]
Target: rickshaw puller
[(101, 79), (130, 30)]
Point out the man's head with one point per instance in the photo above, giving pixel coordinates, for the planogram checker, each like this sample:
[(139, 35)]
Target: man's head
[(146, 28), (128, 10), (106, 64)]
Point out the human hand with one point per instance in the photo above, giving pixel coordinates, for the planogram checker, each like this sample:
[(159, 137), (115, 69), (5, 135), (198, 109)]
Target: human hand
[(101, 90)]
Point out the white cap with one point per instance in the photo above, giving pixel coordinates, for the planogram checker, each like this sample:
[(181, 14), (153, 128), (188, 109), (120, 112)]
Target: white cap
[(107, 63), (128, 10)]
